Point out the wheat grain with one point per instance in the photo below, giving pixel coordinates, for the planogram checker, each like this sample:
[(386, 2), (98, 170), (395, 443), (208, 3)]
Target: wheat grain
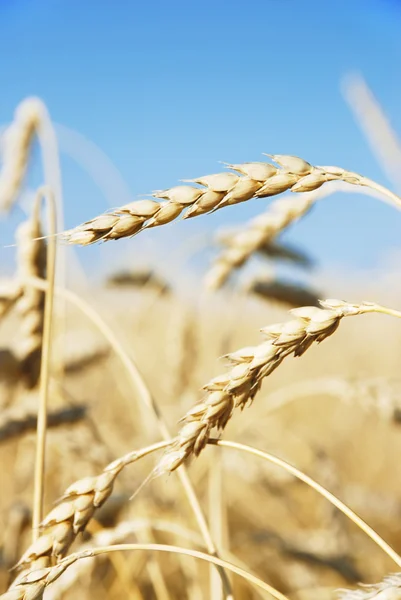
[(388, 589), (256, 180), (16, 143), (252, 364), (31, 586)]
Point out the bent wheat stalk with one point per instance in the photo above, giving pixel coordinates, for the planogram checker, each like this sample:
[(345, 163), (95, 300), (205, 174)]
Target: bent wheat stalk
[(250, 180), (119, 534), (85, 496), (375, 537), (252, 364), (33, 585)]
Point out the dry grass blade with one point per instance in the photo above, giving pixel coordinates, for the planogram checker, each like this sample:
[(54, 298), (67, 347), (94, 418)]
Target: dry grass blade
[(138, 279), (285, 252), (79, 362), (375, 125), (18, 420), (252, 364), (255, 180), (289, 294)]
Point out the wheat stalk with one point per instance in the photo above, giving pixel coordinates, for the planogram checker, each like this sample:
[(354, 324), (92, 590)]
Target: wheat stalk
[(252, 364), (85, 496), (33, 585), (375, 125), (251, 180), (121, 532)]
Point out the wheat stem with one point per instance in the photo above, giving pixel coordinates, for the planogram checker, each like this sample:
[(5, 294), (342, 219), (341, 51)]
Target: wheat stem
[(46, 194), (33, 585), (375, 537)]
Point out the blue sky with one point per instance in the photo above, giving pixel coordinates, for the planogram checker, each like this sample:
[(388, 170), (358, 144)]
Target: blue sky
[(167, 89)]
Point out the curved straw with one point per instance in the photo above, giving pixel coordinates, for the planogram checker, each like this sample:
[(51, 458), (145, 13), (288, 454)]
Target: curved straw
[(176, 550), (44, 193), (123, 529), (320, 489), (149, 401)]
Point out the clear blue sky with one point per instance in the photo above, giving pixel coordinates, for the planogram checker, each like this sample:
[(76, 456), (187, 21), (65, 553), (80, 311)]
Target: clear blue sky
[(168, 88)]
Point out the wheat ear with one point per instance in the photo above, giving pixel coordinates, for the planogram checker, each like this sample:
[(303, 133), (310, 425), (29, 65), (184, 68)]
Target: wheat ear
[(78, 504), (28, 119), (252, 364), (251, 180), (261, 231), (31, 262)]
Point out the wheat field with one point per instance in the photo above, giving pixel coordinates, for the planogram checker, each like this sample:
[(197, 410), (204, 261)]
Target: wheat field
[(157, 445)]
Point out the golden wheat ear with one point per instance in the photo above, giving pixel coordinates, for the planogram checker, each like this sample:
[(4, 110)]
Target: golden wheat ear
[(251, 180)]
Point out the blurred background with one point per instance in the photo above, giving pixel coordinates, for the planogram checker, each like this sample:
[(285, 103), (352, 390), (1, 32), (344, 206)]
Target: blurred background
[(142, 95), (146, 93)]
